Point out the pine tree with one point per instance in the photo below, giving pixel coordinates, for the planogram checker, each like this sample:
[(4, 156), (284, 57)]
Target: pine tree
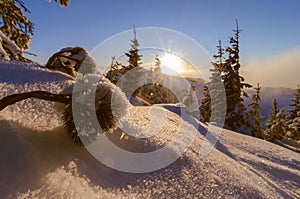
[(255, 116), (277, 125), (15, 25), (156, 92), (115, 71), (213, 90), (236, 116), (134, 58), (134, 71), (205, 107), (216, 87), (157, 88), (157, 70), (188, 99), (294, 129), (295, 104), (294, 117), (275, 110)]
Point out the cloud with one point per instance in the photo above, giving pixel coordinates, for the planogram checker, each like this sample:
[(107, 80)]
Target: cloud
[(282, 70)]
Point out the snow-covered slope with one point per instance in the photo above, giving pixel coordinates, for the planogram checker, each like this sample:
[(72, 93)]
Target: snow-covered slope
[(39, 160)]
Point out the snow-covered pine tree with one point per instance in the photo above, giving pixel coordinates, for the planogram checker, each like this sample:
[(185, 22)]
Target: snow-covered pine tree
[(216, 87), (134, 58), (188, 99), (294, 129), (213, 90), (156, 92), (205, 107), (236, 115), (277, 126), (115, 71), (294, 117), (134, 71), (293, 113), (14, 23), (272, 115), (255, 117), (164, 95), (153, 91), (159, 77), (16, 27)]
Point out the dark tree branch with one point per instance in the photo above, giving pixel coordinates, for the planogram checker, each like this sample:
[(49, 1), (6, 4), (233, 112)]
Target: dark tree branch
[(11, 99)]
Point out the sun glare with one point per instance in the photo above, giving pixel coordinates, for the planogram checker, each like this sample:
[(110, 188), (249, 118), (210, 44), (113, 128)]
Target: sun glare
[(171, 64)]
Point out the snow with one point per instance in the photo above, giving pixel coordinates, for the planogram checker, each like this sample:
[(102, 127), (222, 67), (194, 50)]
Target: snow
[(39, 160), (16, 77)]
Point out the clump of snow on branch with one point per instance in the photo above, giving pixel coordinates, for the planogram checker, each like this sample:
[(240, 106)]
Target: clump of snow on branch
[(8, 49)]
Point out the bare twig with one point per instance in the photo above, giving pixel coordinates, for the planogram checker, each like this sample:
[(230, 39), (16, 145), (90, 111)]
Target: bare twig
[(11, 99)]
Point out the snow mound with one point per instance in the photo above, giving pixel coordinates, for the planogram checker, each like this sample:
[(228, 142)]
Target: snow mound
[(47, 164), (17, 77)]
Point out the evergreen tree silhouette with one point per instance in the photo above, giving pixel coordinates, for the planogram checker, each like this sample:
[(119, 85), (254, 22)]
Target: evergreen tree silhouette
[(277, 125), (255, 116), (294, 117), (213, 90), (134, 58), (15, 25), (236, 115), (205, 107), (295, 105)]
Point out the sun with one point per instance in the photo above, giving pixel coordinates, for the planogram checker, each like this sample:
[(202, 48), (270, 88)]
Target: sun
[(171, 64)]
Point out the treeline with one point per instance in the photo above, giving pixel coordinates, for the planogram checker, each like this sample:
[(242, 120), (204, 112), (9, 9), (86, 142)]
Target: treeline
[(281, 124), (136, 80), (239, 117)]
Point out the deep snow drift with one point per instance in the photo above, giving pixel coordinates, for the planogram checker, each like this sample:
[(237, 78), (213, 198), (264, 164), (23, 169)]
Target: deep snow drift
[(38, 158)]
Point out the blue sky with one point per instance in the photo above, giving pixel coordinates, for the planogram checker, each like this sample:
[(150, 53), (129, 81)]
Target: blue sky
[(271, 29)]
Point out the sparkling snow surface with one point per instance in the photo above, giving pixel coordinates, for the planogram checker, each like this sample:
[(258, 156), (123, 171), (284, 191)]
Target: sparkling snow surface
[(39, 160)]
